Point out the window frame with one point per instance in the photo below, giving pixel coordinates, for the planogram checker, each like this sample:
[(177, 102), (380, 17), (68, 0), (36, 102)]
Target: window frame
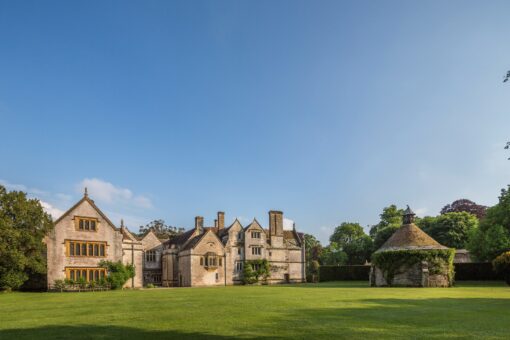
[(74, 248), (86, 224)]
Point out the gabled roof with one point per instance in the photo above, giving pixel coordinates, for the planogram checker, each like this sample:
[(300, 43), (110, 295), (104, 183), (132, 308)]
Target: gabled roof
[(91, 202), (181, 239), (254, 223), (196, 240), (410, 237)]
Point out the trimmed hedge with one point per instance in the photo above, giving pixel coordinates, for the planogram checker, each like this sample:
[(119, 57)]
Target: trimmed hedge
[(344, 273), (476, 271)]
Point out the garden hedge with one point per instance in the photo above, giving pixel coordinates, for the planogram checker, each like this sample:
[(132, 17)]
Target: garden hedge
[(344, 273), (476, 271)]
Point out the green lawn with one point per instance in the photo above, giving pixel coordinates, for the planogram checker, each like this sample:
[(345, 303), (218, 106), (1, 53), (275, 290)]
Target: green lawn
[(329, 310)]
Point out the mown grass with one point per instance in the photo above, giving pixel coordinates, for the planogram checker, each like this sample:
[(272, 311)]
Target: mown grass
[(327, 310)]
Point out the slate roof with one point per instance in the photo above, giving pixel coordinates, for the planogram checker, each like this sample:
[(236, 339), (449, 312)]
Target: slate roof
[(181, 239)]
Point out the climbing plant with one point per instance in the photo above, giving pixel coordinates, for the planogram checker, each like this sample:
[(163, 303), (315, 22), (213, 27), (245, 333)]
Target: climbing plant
[(390, 262), (255, 270)]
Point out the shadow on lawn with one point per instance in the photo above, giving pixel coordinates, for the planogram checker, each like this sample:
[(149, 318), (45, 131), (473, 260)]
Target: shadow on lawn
[(101, 332)]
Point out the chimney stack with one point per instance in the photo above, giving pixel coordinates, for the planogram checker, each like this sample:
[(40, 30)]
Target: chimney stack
[(275, 223), (199, 223), (221, 220)]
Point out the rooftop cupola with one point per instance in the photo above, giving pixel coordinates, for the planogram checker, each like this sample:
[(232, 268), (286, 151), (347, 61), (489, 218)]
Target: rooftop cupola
[(408, 216)]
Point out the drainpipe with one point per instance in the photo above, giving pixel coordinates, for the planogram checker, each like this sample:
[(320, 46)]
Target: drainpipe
[(225, 267), (133, 263)]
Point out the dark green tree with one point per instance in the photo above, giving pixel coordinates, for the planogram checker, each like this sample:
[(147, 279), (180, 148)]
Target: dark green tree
[(313, 250), (333, 255), (23, 225), (451, 229), (117, 273), (351, 239), (493, 235), (390, 217)]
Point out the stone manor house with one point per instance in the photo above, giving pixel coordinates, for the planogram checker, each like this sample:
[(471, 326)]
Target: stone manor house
[(202, 256)]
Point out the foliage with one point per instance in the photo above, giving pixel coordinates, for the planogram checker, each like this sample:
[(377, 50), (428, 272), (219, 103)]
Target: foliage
[(390, 217), (502, 265), (118, 273), (493, 235), (255, 270), (313, 250), (465, 205), (150, 285), (351, 239), (159, 228), (344, 273), (23, 225), (383, 235), (59, 284), (333, 255), (475, 271), (391, 261), (451, 229)]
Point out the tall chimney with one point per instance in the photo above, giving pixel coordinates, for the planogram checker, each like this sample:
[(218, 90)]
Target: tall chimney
[(221, 220), (275, 223), (199, 223)]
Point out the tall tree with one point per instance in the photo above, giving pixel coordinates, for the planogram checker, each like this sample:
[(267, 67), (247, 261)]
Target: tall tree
[(313, 250), (352, 240), (390, 217), (493, 236), (23, 226), (333, 255), (465, 205), (451, 229), (159, 228)]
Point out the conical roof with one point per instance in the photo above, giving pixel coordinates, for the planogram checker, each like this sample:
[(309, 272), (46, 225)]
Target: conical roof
[(410, 237)]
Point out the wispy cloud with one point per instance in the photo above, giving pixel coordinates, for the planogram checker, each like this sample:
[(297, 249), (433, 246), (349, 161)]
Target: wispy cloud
[(288, 224), (50, 209), (108, 193)]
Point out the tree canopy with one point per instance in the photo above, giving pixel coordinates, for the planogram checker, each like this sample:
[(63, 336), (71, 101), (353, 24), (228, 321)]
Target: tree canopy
[(493, 236), (390, 217), (465, 205), (451, 229), (351, 239), (23, 226), (159, 228)]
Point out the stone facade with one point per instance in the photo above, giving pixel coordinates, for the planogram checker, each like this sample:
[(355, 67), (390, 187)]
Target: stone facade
[(216, 255), (83, 236), (202, 256)]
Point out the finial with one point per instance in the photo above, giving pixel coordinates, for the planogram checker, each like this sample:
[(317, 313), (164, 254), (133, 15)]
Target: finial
[(86, 193), (294, 226), (122, 223)]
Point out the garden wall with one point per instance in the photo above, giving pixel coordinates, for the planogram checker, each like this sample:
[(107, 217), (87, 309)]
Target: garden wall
[(344, 273)]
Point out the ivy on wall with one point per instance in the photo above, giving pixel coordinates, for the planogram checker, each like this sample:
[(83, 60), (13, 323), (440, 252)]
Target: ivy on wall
[(255, 270), (391, 262)]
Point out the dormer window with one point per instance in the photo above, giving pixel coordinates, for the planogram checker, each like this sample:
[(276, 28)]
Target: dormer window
[(255, 234), (86, 223)]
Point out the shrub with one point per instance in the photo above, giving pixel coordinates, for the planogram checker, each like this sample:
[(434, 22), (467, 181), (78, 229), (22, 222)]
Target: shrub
[(59, 285), (475, 271), (391, 261), (344, 273), (251, 276), (150, 285), (502, 265), (118, 273)]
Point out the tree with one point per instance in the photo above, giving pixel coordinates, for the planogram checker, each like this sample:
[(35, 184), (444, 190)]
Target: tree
[(493, 235), (351, 239), (390, 217), (390, 221), (465, 205), (23, 225), (333, 255), (507, 146), (451, 229), (313, 250), (159, 228)]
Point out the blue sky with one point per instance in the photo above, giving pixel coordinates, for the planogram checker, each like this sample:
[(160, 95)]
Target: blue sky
[(327, 110)]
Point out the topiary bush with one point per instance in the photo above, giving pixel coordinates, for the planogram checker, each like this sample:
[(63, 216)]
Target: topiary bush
[(118, 273), (391, 261), (501, 265)]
